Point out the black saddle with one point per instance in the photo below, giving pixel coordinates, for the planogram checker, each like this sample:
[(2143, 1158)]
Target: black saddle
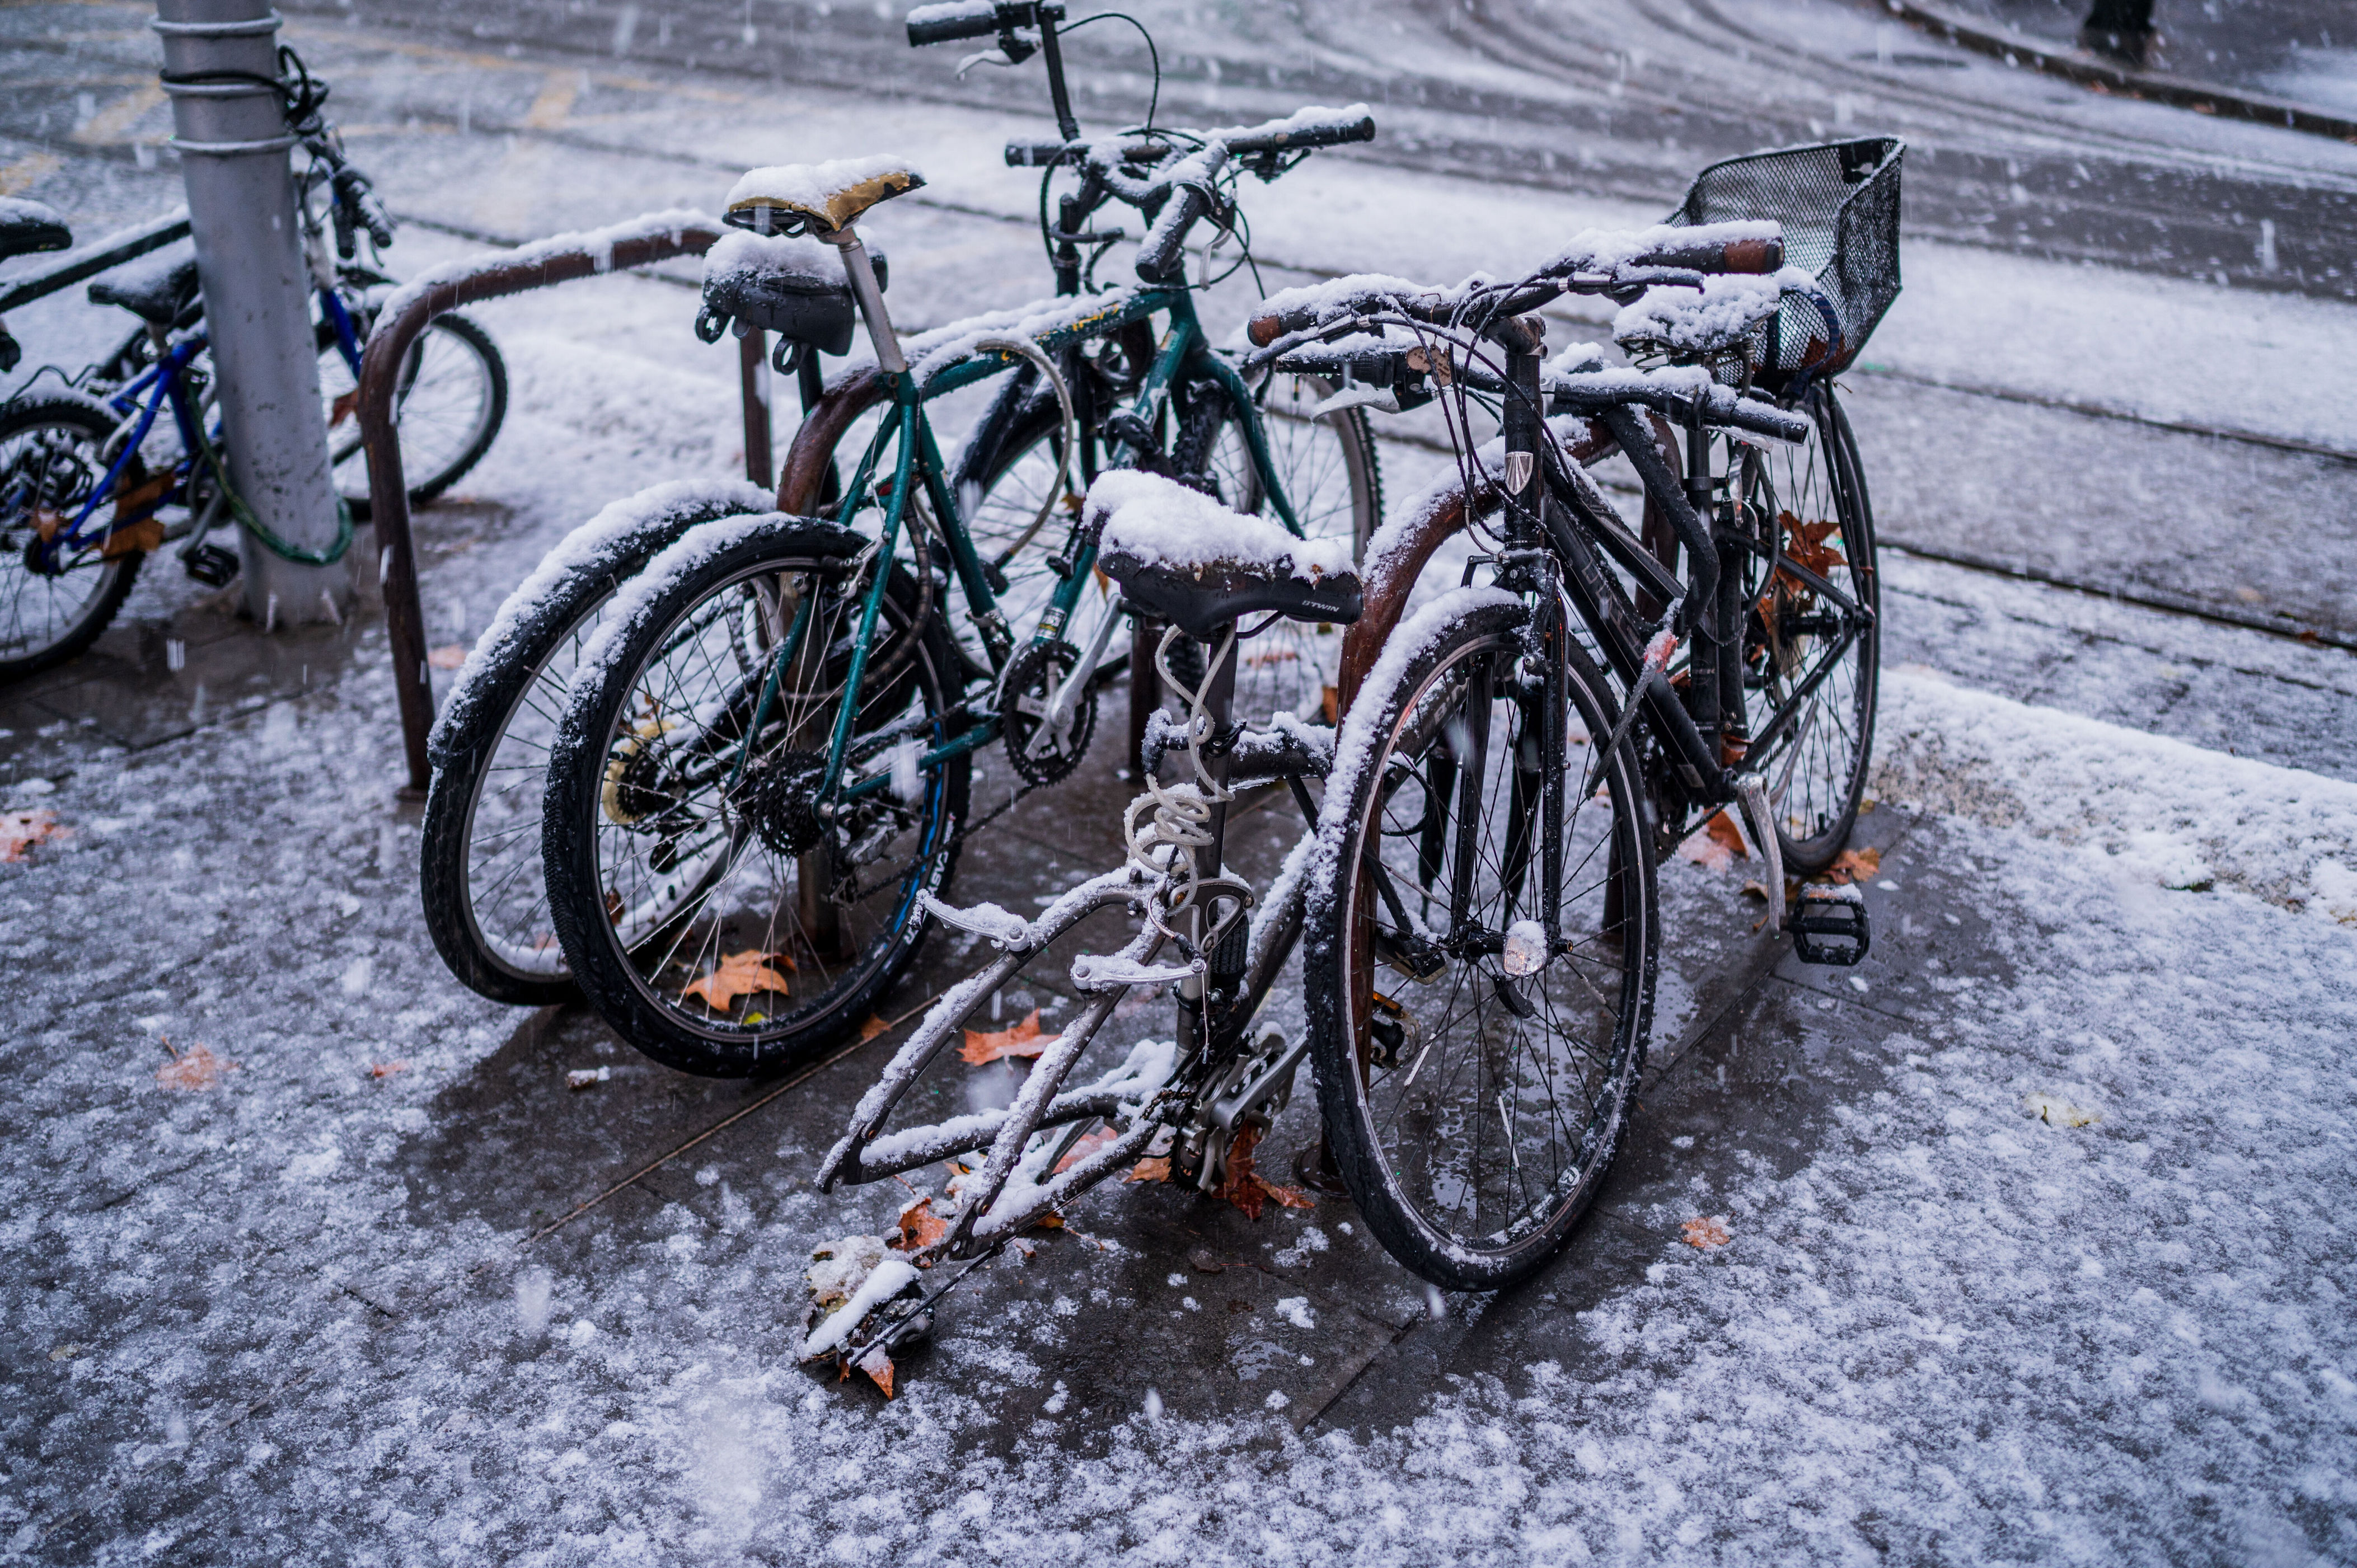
[(1183, 557), (158, 289), (794, 287), (29, 226)]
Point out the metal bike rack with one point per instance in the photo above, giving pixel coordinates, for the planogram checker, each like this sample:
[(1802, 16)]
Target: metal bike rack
[(539, 266)]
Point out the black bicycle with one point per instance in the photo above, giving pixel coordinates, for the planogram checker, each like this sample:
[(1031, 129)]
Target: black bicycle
[(1478, 894)]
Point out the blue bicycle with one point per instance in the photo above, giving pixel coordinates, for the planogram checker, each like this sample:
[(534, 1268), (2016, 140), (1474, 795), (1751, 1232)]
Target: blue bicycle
[(93, 477)]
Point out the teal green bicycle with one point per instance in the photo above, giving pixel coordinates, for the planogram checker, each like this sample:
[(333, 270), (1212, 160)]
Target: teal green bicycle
[(766, 757)]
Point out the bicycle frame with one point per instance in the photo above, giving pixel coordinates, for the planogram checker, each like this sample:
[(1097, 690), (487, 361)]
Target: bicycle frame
[(1184, 351), (164, 380)]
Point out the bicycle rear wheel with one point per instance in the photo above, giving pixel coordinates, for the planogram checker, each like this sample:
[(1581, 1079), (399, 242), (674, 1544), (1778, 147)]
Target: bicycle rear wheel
[(485, 900), (1810, 663), (715, 918), (453, 398), (49, 466), (1474, 1112)]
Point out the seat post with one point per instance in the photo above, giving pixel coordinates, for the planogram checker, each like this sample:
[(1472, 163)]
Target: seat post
[(861, 270)]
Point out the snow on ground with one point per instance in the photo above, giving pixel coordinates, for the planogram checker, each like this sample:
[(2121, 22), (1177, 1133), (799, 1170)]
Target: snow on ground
[(2068, 1279)]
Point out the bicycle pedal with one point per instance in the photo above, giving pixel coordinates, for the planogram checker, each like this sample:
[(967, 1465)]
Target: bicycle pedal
[(211, 565), (1829, 926)]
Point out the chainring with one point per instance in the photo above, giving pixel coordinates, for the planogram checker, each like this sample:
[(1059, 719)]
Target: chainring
[(1032, 678)]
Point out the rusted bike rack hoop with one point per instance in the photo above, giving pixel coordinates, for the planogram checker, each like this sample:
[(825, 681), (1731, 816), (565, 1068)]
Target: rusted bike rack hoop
[(641, 241)]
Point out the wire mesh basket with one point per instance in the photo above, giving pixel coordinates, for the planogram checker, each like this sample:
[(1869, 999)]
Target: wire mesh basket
[(1839, 206)]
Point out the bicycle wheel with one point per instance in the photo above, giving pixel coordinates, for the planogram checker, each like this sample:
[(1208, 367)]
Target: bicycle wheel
[(1812, 663), (1474, 1112), (49, 466), (454, 394), (485, 900), (711, 913), (1330, 473)]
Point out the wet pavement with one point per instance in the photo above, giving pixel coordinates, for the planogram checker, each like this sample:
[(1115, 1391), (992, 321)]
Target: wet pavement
[(214, 1282)]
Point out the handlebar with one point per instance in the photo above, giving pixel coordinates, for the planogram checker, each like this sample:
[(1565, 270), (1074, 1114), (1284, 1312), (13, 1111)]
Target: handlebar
[(1286, 135), (1158, 255)]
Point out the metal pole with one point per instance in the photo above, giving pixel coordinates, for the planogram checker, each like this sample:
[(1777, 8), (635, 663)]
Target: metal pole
[(220, 63)]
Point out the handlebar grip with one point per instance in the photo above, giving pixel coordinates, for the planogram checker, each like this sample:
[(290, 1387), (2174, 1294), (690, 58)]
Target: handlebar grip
[(954, 19), (1041, 154), (1763, 419), (1362, 129), (1160, 252), (10, 352), (1725, 256)]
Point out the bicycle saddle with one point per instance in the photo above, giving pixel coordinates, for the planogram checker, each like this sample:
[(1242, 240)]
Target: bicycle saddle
[(817, 198), (158, 289), (790, 285), (29, 226), (1182, 556)]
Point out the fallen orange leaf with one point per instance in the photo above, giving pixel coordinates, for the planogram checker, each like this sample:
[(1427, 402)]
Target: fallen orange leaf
[(878, 1367), (984, 1045), (874, 1027), (1855, 866), (1291, 1197), (919, 1227), (1083, 1149), (1155, 1170), (739, 974), (1716, 844), (387, 1070), (1243, 1188), (196, 1068), (1709, 1230), (20, 831), (447, 657)]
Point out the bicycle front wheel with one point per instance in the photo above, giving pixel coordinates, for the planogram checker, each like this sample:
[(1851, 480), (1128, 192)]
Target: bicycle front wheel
[(453, 397), (1475, 1082), (720, 915)]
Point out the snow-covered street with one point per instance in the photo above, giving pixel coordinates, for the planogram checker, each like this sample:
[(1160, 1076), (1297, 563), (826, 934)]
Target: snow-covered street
[(2033, 1238)]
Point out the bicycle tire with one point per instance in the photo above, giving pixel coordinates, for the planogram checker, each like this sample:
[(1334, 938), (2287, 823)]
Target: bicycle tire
[(1415, 736), (110, 579), (484, 740), (608, 761), (447, 461), (1291, 666), (1816, 806)]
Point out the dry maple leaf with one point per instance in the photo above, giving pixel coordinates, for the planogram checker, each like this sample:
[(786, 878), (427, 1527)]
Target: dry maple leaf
[(919, 1227), (20, 831), (387, 1070), (196, 1068), (1155, 1170), (1804, 543), (986, 1046), (1855, 866), (878, 1367), (1083, 1149), (739, 974), (449, 657), (1291, 1197), (1716, 845), (1241, 1187), (874, 1027), (1706, 1233)]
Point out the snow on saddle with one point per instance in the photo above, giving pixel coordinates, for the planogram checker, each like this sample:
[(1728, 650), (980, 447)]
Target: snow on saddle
[(817, 199), (1182, 555)]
